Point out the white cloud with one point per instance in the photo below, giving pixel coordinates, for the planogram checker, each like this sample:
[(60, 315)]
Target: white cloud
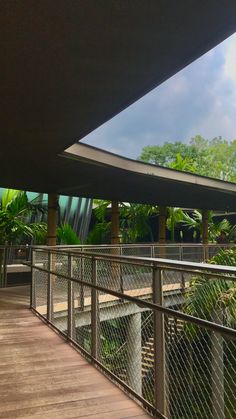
[(201, 99), (230, 59)]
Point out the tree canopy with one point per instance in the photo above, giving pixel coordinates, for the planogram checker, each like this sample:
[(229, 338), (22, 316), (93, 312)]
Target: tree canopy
[(214, 158)]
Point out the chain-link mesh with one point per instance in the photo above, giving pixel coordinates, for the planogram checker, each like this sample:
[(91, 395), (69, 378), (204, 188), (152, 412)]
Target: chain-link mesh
[(60, 303), (138, 251), (198, 374)]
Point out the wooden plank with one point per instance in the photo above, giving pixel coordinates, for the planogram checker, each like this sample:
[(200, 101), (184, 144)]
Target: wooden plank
[(42, 376)]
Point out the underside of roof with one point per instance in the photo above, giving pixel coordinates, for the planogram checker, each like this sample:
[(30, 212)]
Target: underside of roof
[(69, 66)]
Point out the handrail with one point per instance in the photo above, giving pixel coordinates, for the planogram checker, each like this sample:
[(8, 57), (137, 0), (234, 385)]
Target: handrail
[(80, 271)]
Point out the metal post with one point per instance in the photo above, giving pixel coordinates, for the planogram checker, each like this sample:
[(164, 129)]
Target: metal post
[(152, 252), (33, 282), (159, 343), (49, 289), (71, 313), (94, 312), (5, 261), (121, 273), (81, 287)]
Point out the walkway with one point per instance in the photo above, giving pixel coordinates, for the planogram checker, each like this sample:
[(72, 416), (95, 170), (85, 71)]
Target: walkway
[(41, 376)]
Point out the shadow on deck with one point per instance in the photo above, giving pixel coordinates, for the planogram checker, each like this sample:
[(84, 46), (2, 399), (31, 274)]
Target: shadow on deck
[(43, 376)]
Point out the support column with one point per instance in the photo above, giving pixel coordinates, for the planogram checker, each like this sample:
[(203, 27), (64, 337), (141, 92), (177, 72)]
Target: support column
[(115, 223), (205, 233), (115, 240), (134, 352), (52, 219), (162, 229)]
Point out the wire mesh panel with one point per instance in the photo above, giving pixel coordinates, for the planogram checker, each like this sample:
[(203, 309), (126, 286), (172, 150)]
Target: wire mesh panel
[(60, 303), (193, 253), (82, 317), (40, 287), (139, 251), (167, 252), (200, 373), (148, 355)]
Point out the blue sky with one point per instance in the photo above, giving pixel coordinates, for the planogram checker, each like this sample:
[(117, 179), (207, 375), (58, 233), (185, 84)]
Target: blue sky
[(200, 99)]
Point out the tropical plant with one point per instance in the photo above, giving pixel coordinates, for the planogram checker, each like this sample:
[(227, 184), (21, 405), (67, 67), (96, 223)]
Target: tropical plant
[(135, 221), (194, 222), (206, 294), (175, 216), (66, 235), (15, 211)]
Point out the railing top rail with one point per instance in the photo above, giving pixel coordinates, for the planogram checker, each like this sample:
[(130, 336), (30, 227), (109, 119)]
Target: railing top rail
[(104, 246), (160, 263), (228, 331)]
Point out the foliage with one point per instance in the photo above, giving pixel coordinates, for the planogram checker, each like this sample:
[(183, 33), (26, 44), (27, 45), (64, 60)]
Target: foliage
[(15, 210), (67, 235), (175, 217), (214, 158), (194, 222), (135, 221), (207, 295)]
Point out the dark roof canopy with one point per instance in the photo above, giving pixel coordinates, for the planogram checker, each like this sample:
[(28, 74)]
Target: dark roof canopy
[(69, 66), (121, 179)]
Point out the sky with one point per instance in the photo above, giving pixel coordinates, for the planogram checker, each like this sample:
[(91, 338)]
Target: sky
[(199, 100)]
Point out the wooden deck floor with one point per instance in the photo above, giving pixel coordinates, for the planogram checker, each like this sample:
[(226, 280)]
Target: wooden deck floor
[(41, 376)]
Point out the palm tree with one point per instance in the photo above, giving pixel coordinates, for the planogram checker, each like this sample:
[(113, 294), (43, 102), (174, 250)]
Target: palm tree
[(194, 223), (67, 235), (15, 210)]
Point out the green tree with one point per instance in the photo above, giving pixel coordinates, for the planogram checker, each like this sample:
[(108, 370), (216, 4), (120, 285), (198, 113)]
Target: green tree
[(214, 158)]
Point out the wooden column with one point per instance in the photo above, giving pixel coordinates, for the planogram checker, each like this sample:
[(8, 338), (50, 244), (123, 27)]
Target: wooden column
[(162, 230), (115, 223), (162, 225), (205, 226), (205, 234), (52, 219)]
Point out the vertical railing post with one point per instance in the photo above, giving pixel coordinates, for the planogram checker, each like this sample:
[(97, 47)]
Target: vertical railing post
[(71, 313), (152, 252), (94, 312), (33, 282), (49, 289), (81, 287), (5, 262), (159, 342), (121, 272)]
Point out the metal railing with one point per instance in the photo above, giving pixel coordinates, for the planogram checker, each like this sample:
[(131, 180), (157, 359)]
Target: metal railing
[(192, 252), (19, 254), (129, 316)]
